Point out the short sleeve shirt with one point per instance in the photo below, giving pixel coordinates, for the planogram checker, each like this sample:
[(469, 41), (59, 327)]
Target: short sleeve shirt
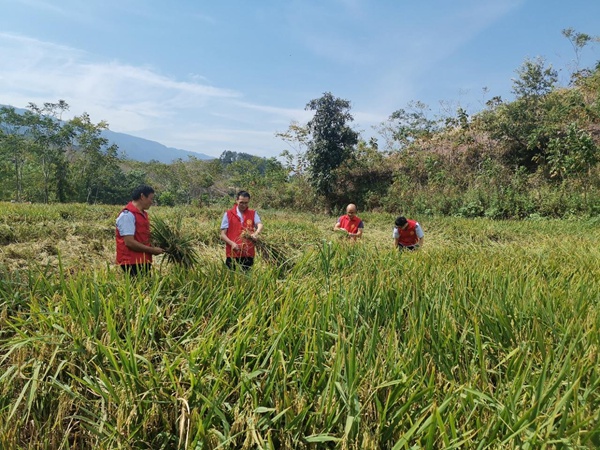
[(126, 223), (418, 232)]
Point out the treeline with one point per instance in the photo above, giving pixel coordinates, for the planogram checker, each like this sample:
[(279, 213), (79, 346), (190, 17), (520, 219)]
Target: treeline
[(536, 155)]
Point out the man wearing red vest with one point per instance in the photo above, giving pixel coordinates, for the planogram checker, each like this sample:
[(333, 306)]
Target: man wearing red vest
[(350, 222), (408, 234), (239, 229), (134, 251)]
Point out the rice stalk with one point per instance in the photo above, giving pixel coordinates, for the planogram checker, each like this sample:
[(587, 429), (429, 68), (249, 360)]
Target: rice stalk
[(274, 254), (178, 247)]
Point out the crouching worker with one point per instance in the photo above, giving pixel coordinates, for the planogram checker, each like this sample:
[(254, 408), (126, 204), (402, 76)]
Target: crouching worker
[(134, 251), (408, 234), (240, 227)]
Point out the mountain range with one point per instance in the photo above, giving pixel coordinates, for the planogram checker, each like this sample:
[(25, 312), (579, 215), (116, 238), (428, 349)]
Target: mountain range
[(144, 150)]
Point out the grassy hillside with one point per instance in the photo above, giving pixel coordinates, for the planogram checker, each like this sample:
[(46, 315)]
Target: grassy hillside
[(487, 337)]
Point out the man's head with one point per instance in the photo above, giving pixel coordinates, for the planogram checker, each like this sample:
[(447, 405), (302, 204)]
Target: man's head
[(401, 221), (351, 210), (143, 196), (243, 198)]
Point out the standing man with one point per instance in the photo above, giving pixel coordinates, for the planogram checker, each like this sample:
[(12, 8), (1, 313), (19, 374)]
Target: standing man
[(350, 222), (134, 252), (408, 234), (239, 229)]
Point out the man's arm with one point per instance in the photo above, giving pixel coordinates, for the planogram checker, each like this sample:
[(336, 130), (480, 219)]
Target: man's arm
[(224, 237), (420, 234), (137, 246), (338, 227), (259, 227)]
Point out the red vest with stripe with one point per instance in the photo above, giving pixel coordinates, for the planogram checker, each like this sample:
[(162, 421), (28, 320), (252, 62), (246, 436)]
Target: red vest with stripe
[(126, 256), (408, 235), (234, 232)]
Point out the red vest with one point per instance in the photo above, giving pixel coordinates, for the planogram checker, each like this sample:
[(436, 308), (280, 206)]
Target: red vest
[(234, 232), (408, 236), (350, 225), (126, 256)]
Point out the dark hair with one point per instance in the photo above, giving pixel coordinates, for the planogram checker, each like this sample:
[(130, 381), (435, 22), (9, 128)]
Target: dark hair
[(242, 194), (400, 221), (141, 189)]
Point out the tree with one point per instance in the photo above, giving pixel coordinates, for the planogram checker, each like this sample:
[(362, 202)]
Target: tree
[(526, 125), (51, 138), (572, 155), (13, 147), (407, 126), (296, 137), (95, 162), (578, 42), (535, 80), (331, 142)]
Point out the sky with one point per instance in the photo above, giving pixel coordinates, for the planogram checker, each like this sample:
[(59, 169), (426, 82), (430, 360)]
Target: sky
[(215, 75)]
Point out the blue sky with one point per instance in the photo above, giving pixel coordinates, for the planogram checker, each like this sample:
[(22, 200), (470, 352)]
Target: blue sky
[(209, 76)]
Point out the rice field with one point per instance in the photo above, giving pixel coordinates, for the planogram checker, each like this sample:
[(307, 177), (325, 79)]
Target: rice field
[(486, 338)]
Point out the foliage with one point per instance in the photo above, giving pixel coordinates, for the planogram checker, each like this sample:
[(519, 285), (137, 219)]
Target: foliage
[(331, 142), (534, 155), (405, 127)]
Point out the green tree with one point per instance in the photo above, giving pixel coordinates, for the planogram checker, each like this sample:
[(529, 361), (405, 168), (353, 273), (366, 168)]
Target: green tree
[(525, 126), (407, 126), (297, 138), (534, 79), (51, 138), (13, 147), (578, 41), (331, 142), (95, 162), (572, 155)]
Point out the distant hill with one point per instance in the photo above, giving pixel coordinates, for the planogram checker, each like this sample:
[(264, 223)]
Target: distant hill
[(144, 150)]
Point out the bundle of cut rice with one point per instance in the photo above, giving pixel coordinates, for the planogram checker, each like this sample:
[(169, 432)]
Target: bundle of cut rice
[(274, 254), (177, 246)]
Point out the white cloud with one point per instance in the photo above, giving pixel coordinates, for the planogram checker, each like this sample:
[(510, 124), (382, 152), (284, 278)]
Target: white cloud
[(129, 98)]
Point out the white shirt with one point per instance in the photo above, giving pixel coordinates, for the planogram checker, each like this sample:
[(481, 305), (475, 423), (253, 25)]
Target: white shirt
[(126, 223), (418, 232)]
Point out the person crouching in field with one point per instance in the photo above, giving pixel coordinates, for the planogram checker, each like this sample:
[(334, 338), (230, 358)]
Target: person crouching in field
[(350, 223), (240, 227), (408, 234), (134, 251)]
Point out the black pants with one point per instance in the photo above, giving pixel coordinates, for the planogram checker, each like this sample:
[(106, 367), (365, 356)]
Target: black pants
[(136, 269), (407, 247), (245, 262)]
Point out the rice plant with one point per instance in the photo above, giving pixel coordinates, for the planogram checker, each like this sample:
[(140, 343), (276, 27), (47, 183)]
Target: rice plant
[(486, 338), (178, 247)]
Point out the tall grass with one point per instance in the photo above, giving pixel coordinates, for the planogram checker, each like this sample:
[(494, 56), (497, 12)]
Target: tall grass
[(486, 338)]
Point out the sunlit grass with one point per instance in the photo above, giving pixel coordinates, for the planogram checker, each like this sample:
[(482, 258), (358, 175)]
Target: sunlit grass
[(486, 338)]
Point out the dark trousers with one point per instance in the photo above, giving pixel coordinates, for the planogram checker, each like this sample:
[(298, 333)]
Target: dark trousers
[(136, 269), (245, 262), (407, 247)]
